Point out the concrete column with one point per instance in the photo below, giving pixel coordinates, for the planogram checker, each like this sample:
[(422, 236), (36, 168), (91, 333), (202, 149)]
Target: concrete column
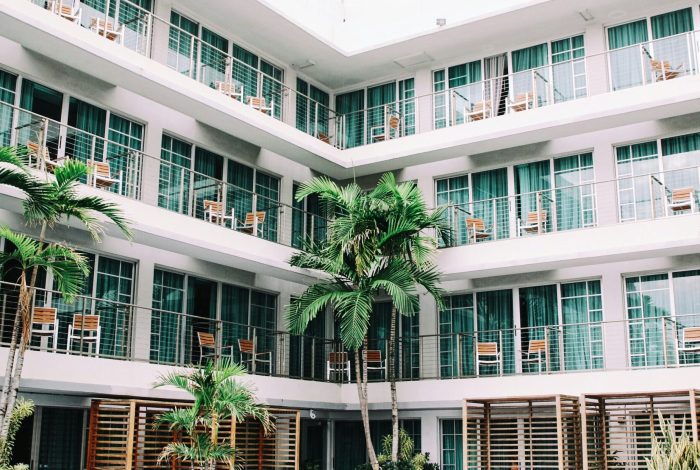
[(141, 327), (287, 200), (161, 31), (430, 436), (150, 166), (615, 333), (429, 342), (606, 189), (596, 64), (282, 355), (290, 97), (424, 102)]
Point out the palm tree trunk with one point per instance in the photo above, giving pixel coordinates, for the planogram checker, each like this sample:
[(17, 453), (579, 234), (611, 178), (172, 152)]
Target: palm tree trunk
[(392, 385), (362, 394)]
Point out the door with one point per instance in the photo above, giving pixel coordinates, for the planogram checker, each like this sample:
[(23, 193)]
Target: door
[(46, 102), (201, 308)]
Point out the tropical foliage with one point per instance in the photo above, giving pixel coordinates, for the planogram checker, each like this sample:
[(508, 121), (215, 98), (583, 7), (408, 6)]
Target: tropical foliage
[(218, 398), (22, 410), (671, 451)]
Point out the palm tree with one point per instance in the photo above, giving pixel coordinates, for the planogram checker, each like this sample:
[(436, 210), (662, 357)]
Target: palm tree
[(354, 258), (218, 397), (46, 204)]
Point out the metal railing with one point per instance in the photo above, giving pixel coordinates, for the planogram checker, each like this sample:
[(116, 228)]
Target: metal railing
[(117, 168), (579, 77), (627, 198)]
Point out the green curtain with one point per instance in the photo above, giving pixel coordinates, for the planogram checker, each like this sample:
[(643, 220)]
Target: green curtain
[(267, 188), (245, 71), (625, 62), (61, 439), (648, 302), (113, 291), (208, 168), (672, 23), (457, 319), (182, 49), (494, 318), (214, 52), (407, 105), (235, 317), (307, 352), (568, 69), (201, 311), (538, 310), (263, 312), (8, 85), (582, 314), (381, 100), (452, 448), (174, 177), (43, 101), (93, 121), (634, 165), (575, 199), (304, 121), (454, 192), (312, 111), (532, 181), (490, 190), (272, 87), (686, 298), (680, 162), (464, 82), (125, 136), (524, 60), (348, 107), (81, 305), (239, 190), (168, 303)]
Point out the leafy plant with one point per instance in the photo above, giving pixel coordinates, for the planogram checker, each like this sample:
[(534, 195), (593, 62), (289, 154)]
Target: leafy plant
[(22, 410), (408, 459), (673, 453), (217, 397)]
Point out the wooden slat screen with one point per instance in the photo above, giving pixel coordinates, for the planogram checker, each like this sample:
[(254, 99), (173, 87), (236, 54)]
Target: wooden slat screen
[(276, 450)]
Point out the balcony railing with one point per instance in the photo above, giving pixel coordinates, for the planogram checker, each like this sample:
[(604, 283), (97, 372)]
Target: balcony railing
[(641, 64), (117, 168), (104, 328)]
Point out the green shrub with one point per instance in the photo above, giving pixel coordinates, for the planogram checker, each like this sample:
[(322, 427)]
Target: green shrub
[(673, 453)]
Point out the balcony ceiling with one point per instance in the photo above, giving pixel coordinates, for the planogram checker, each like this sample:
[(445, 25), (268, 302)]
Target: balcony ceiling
[(337, 67)]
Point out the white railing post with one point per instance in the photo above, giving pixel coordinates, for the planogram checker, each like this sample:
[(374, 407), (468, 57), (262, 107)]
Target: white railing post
[(459, 356), (193, 58), (652, 202), (255, 214)]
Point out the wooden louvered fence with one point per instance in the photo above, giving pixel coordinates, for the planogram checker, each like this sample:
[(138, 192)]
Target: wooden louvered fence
[(122, 436)]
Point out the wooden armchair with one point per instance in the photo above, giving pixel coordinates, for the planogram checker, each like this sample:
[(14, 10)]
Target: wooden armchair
[(68, 9), (535, 223), (261, 105), (101, 176), (477, 230), (207, 346), (45, 324), (386, 131), (661, 70), (478, 111), (536, 353), (487, 353), (230, 89), (107, 29), (85, 329), (690, 340), (249, 354), (681, 200), (215, 213), (522, 102), (253, 223), (338, 363)]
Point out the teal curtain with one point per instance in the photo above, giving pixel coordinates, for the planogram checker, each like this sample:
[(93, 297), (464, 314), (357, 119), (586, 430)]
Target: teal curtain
[(680, 162), (123, 153), (490, 190), (82, 305), (214, 52), (308, 219), (538, 311), (43, 101), (530, 58), (575, 199), (582, 330), (61, 439), (648, 302), (634, 165), (174, 177), (272, 81), (307, 352), (113, 291), (201, 311), (532, 183), (8, 85), (245, 71), (381, 103), (239, 190), (494, 318), (407, 105), (457, 319), (686, 298), (454, 193), (87, 145), (349, 109), (304, 121), (166, 319), (452, 446), (671, 43), (235, 317), (530, 73), (267, 188), (672, 23), (208, 168), (182, 49), (464, 82), (627, 65), (440, 100), (568, 69)]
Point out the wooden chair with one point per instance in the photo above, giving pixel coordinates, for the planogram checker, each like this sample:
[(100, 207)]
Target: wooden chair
[(478, 112), (662, 70), (375, 361), (682, 199), (487, 353), (338, 363), (107, 29), (247, 347), (536, 222), (253, 223), (476, 230), (45, 324), (261, 105), (230, 89), (536, 353), (522, 102), (207, 346), (101, 176), (388, 130), (215, 212), (38, 153), (690, 340), (323, 137), (68, 9), (84, 329)]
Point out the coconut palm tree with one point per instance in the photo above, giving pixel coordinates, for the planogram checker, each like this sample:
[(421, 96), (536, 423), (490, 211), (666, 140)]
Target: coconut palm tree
[(47, 203), (218, 397), (358, 257)]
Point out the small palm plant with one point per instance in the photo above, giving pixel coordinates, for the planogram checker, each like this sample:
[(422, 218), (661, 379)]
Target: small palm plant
[(218, 398), (671, 452)]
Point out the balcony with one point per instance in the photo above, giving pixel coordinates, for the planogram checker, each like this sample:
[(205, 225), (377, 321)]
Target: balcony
[(558, 86), (106, 329)]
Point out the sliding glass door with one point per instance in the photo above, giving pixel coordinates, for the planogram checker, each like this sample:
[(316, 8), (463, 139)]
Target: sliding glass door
[(454, 193), (214, 54), (8, 87), (532, 187), (167, 321), (637, 173), (456, 328), (628, 66), (494, 318), (531, 81), (568, 69), (351, 118), (575, 192), (648, 307), (539, 320), (582, 330), (209, 168), (183, 44), (175, 174), (46, 102), (84, 146), (490, 191)]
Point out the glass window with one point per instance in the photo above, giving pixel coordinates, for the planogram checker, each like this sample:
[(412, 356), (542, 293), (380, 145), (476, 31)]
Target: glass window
[(575, 192), (167, 327), (123, 154), (174, 179), (681, 163), (214, 57), (8, 85), (182, 44), (648, 303), (582, 331), (267, 187), (637, 173), (568, 69), (349, 108), (456, 328), (440, 100), (454, 193), (272, 88), (407, 106), (312, 110), (451, 444), (61, 438)]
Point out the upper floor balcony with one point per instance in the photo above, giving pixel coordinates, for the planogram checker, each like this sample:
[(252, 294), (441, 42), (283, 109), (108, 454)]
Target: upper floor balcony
[(574, 93)]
